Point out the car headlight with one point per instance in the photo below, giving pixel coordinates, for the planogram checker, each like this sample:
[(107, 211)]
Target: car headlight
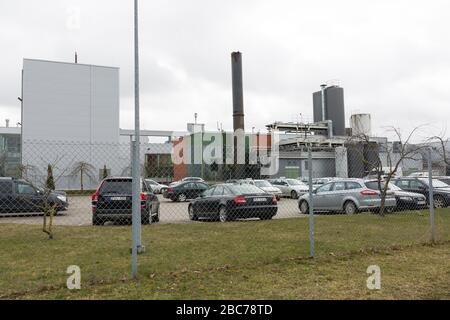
[(406, 198), (62, 198)]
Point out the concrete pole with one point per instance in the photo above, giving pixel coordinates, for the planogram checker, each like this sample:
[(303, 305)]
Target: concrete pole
[(311, 206), (136, 216), (431, 197)]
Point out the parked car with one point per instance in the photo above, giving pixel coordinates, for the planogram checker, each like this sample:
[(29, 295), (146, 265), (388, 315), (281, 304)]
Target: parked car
[(267, 187), (185, 191), (349, 196), (292, 188), (113, 202), (227, 202), (444, 179), (318, 182), (405, 200), (156, 187), (20, 196), (441, 190), (187, 179)]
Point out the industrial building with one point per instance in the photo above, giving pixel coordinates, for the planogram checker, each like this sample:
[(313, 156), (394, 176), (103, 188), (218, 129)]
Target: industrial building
[(10, 150), (71, 112), (70, 116)]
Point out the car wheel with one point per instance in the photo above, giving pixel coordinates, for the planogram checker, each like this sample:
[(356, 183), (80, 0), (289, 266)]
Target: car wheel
[(182, 198), (350, 208), (96, 221), (439, 202), (192, 215), (156, 218), (146, 217), (294, 195), (304, 207), (390, 209), (223, 215)]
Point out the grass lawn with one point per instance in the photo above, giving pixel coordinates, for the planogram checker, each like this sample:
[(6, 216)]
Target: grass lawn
[(250, 260)]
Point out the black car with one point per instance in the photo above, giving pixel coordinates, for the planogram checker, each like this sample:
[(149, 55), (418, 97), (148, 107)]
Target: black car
[(227, 202), (185, 191), (20, 196), (113, 202), (441, 190), (405, 200)]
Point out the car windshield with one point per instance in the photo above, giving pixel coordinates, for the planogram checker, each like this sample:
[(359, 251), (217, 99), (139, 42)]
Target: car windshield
[(244, 189), (263, 184), (116, 187), (436, 183), (293, 182), (373, 185)]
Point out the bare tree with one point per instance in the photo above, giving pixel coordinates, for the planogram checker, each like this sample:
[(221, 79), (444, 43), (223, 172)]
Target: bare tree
[(443, 151), (127, 171), (385, 172), (2, 164), (25, 171), (47, 204), (83, 169)]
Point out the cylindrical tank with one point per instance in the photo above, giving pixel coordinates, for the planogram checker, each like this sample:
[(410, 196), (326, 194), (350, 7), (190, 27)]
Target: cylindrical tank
[(361, 124)]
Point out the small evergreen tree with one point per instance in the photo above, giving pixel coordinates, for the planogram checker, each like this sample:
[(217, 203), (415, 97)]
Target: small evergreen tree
[(50, 183)]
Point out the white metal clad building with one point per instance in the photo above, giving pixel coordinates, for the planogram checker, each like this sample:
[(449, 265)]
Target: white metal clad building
[(70, 114), (70, 102)]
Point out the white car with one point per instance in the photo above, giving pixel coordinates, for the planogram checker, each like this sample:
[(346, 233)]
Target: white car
[(187, 179), (291, 188), (267, 187), (157, 188)]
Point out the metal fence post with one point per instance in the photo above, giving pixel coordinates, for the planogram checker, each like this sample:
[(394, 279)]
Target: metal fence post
[(311, 207), (136, 228), (431, 197)]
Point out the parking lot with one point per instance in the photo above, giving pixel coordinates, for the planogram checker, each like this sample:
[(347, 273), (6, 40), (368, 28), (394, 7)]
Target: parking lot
[(79, 213)]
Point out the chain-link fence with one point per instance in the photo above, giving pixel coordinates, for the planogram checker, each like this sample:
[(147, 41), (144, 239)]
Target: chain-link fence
[(69, 204)]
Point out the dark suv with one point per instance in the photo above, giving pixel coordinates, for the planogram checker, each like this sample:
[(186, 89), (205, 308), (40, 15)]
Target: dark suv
[(20, 196), (113, 202), (441, 190)]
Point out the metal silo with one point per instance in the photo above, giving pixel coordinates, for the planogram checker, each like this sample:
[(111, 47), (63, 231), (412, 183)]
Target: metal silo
[(330, 100)]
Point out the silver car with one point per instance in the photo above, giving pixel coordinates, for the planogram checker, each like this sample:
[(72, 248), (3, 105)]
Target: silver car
[(349, 196), (267, 187), (292, 188)]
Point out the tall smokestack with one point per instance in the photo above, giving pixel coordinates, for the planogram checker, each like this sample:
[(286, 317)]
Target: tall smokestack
[(238, 92)]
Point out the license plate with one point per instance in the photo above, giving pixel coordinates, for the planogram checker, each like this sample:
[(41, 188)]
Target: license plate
[(259, 200), (118, 198)]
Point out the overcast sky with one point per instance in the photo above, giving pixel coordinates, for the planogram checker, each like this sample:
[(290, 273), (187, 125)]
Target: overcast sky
[(391, 56)]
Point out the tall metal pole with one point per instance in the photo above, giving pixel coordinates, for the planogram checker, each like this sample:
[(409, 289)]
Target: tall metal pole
[(136, 155), (431, 197), (311, 206)]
